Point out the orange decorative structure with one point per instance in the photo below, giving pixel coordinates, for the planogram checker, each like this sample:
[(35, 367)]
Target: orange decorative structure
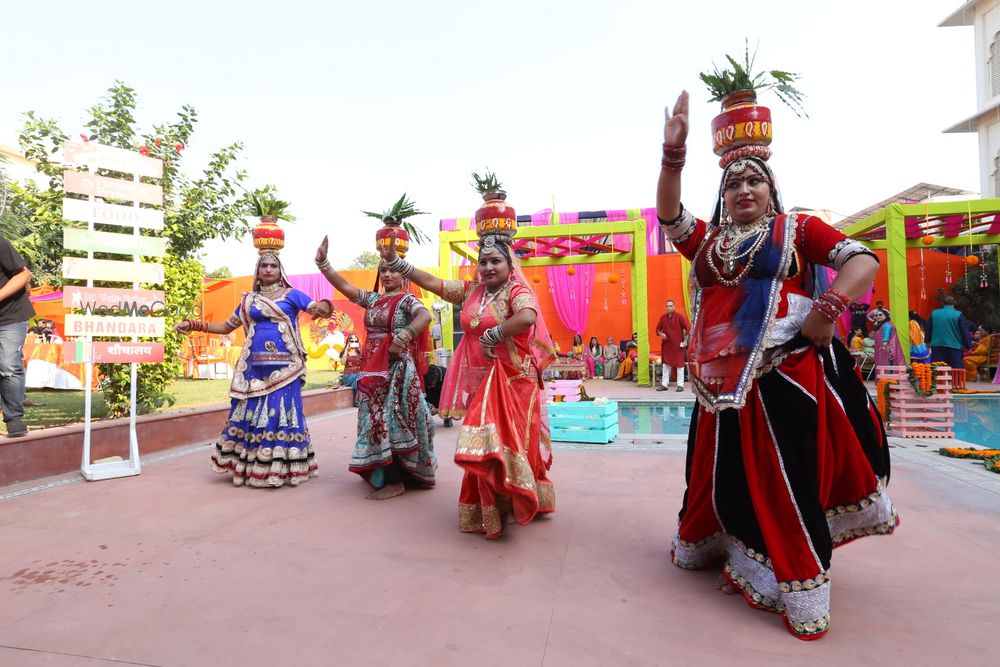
[(390, 230), (743, 128), (268, 236), (495, 216), (972, 260), (927, 239)]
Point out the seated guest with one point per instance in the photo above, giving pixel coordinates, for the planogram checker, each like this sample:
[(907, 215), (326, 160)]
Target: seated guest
[(631, 353), (596, 356), (611, 356)]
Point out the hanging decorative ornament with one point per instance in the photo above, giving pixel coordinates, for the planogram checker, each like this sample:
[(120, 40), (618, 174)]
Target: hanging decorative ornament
[(624, 296), (927, 239), (923, 276), (571, 271), (535, 278), (972, 260), (613, 278), (947, 269)]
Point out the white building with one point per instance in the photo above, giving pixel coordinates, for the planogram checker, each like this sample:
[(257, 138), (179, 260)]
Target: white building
[(984, 17)]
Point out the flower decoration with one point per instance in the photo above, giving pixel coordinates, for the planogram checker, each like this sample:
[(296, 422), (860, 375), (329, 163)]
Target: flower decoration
[(927, 239), (972, 260), (144, 151)]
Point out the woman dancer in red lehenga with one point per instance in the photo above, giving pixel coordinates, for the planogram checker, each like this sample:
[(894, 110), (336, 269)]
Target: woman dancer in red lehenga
[(787, 457), (494, 384)]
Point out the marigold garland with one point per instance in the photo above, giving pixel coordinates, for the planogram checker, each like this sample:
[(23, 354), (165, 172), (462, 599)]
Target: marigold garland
[(993, 464), (968, 453), (882, 397)]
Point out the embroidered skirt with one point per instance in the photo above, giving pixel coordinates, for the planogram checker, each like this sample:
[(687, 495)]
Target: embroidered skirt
[(395, 425), (773, 487), (265, 442)]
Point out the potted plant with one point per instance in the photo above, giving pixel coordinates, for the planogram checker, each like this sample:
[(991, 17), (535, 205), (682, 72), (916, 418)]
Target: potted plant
[(395, 226), (264, 205), (743, 122), (494, 216)]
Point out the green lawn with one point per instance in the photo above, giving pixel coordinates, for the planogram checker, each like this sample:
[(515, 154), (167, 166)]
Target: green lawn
[(67, 407)]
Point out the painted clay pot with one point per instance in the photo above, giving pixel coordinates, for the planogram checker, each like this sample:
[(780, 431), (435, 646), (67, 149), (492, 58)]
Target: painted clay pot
[(268, 236), (495, 216), (391, 229), (742, 122)]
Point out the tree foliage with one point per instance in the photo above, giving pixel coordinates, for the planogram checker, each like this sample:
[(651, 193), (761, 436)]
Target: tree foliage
[(197, 207), (980, 305), (366, 260)]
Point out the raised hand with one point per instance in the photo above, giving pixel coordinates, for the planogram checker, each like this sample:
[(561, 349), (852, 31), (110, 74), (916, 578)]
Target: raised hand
[(675, 126), (388, 253), (321, 251)]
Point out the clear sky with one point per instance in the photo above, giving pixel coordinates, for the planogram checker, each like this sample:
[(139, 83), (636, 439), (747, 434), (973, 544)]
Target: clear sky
[(345, 105)]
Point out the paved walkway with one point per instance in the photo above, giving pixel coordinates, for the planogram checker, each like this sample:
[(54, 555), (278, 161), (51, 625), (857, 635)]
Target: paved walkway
[(177, 567)]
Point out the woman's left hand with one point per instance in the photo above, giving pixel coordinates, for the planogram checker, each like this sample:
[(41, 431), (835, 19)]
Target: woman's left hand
[(320, 308), (395, 351), (490, 352), (818, 329)]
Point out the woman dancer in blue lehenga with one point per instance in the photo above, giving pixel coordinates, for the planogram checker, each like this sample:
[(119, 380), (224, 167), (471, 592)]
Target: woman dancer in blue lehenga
[(265, 442)]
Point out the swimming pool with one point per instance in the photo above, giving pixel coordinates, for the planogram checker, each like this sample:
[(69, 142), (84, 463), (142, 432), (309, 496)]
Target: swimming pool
[(977, 419)]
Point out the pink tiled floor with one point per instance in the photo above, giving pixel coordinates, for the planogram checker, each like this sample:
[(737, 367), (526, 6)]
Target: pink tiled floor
[(176, 567)]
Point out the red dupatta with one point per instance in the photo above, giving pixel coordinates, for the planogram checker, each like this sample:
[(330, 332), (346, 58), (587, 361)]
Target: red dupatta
[(375, 362)]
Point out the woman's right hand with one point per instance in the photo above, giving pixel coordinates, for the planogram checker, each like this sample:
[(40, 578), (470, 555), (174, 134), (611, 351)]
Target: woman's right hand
[(321, 251), (675, 127), (388, 253)]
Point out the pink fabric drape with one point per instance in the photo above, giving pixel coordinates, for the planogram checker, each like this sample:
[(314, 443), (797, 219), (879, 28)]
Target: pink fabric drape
[(313, 284), (571, 294)]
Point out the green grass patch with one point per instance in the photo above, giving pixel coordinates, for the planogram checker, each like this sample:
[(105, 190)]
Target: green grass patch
[(62, 407)]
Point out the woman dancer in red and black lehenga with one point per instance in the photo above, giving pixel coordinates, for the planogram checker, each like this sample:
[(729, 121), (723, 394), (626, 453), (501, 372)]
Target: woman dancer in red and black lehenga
[(787, 457)]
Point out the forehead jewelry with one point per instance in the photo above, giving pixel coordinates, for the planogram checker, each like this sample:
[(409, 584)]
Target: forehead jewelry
[(488, 246)]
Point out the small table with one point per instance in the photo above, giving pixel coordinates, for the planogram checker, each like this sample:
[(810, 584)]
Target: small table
[(568, 366)]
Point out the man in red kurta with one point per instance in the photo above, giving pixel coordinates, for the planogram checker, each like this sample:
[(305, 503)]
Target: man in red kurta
[(673, 329)]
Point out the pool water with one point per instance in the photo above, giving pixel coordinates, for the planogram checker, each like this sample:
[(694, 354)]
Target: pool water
[(977, 419)]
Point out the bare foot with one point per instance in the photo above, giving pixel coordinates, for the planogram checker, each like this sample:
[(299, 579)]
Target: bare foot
[(387, 492), (723, 586)]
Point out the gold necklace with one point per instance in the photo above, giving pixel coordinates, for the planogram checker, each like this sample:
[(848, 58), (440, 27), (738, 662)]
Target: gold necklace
[(272, 288), (730, 246), (483, 302)]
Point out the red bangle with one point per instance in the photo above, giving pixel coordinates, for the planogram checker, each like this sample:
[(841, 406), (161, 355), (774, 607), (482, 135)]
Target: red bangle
[(823, 310), (837, 294)]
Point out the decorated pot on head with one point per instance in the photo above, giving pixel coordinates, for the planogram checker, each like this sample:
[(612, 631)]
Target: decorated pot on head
[(392, 229), (743, 128), (392, 225), (268, 236), (495, 216)]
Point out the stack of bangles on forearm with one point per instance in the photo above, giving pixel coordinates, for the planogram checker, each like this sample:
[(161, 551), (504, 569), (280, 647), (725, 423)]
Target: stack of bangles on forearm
[(673, 158), (492, 337), (325, 268), (197, 325), (831, 304), (403, 337), (401, 266)]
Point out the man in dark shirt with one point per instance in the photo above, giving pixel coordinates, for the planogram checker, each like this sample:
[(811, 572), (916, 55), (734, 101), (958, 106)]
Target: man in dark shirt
[(15, 311)]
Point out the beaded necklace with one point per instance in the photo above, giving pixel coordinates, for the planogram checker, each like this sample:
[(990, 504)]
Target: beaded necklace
[(735, 243)]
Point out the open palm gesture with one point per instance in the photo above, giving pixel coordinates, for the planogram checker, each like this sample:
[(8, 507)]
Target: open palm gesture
[(675, 127)]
